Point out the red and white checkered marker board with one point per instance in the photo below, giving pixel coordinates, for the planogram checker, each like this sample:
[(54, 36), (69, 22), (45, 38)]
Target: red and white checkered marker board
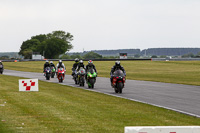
[(28, 85)]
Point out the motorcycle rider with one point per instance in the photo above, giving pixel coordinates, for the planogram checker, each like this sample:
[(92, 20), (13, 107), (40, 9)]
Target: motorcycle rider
[(46, 64), (1, 64), (52, 65), (80, 64), (90, 65), (116, 67), (59, 65), (75, 66)]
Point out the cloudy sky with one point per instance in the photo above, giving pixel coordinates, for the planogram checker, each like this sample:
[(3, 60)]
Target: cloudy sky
[(102, 24)]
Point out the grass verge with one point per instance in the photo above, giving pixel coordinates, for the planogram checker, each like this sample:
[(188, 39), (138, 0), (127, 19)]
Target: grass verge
[(59, 108)]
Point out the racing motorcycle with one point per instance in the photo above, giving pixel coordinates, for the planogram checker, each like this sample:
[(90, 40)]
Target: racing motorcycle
[(91, 78), (61, 74), (118, 81), (53, 71), (1, 69), (47, 73), (81, 76), (74, 74)]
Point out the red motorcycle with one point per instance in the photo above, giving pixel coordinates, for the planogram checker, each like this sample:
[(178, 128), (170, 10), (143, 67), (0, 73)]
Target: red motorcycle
[(118, 81), (61, 74)]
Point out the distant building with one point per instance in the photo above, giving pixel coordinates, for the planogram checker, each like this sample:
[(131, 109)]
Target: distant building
[(37, 55), (123, 55)]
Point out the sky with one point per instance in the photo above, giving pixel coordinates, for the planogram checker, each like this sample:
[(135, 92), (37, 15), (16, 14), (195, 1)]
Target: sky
[(102, 24)]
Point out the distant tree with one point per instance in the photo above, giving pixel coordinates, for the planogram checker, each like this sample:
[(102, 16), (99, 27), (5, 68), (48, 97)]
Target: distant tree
[(137, 55), (67, 37), (76, 56), (198, 55), (163, 56), (27, 53), (28, 47), (153, 56), (189, 55), (41, 37), (92, 55), (52, 44), (4, 57), (65, 56), (110, 57)]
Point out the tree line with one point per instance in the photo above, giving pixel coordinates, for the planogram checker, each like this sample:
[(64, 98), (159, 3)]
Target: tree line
[(170, 51), (50, 45)]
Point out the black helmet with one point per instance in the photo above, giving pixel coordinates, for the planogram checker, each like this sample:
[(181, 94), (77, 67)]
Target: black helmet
[(90, 62), (76, 60), (117, 63)]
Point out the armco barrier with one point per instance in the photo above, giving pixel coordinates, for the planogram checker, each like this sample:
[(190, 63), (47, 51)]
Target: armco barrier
[(176, 59), (138, 59), (163, 129), (147, 59)]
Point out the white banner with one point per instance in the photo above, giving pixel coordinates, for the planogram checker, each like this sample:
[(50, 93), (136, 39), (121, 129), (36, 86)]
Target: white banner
[(28, 85), (163, 129)]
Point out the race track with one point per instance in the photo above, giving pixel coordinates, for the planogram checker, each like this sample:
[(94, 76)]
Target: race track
[(177, 97)]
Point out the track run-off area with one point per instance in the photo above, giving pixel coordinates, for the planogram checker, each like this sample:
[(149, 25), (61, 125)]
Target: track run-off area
[(181, 98)]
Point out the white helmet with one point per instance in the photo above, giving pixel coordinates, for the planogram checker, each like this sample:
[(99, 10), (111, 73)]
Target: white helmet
[(117, 63), (76, 60), (51, 62), (81, 61)]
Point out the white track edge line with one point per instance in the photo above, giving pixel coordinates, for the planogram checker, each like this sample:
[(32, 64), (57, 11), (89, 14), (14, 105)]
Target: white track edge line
[(179, 111)]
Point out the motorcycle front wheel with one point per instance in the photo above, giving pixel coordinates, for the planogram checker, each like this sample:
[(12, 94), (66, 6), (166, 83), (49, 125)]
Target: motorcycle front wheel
[(120, 87)]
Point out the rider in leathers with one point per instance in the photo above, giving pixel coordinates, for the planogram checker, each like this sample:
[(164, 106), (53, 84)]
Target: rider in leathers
[(90, 65), (60, 64), (52, 65), (116, 67), (75, 66), (80, 64), (2, 65), (46, 64)]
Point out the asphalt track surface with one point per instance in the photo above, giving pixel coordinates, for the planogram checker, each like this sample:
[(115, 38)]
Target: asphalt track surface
[(181, 98)]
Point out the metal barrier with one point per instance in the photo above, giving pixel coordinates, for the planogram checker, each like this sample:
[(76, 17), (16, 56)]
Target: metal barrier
[(163, 129), (146, 59)]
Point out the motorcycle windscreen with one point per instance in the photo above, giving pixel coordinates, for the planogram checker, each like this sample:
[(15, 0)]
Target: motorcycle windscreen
[(118, 73), (91, 71), (82, 70), (61, 69), (47, 68)]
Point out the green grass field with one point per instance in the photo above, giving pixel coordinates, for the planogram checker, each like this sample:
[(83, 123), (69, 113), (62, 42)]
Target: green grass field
[(181, 72), (58, 108)]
